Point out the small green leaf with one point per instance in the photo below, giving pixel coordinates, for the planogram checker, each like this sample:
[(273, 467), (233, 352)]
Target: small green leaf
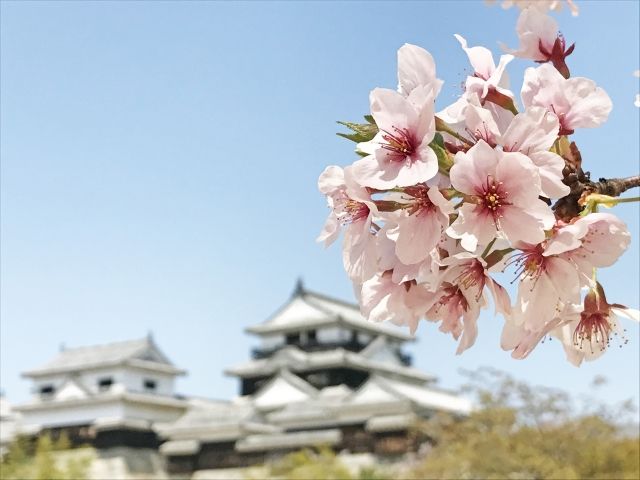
[(438, 139), (444, 160), (354, 137), (363, 132)]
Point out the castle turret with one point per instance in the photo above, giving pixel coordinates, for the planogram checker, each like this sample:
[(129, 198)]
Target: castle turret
[(321, 375), (106, 395)]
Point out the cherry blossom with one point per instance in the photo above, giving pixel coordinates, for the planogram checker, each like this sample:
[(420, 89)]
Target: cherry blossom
[(502, 190), (416, 68), (540, 40), (577, 101), (381, 299), (420, 224), (585, 330), (351, 207), (399, 155), (555, 5), (521, 341), (487, 77), (487, 88), (425, 272), (588, 336), (533, 133), (603, 238), (439, 203), (552, 274), (462, 295), (547, 283)]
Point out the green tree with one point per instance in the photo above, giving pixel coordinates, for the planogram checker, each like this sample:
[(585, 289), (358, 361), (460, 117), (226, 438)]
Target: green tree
[(44, 459), (321, 463), (524, 432)]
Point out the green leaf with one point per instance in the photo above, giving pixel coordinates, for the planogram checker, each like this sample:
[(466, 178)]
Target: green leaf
[(444, 160), (438, 139), (363, 132)]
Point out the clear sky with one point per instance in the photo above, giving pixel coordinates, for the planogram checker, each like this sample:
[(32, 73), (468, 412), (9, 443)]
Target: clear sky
[(159, 168)]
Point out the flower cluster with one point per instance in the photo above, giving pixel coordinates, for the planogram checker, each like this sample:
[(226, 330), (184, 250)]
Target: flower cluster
[(439, 202)]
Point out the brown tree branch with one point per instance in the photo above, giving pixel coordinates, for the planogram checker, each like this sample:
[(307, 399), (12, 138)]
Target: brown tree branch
[(581, 185), (616, 186)]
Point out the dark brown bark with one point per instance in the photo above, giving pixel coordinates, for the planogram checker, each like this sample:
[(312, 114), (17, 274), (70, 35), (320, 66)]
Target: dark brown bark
[(581, 185)]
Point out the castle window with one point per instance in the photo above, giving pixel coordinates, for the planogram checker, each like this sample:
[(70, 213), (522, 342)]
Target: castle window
[(293, 339), (47, 390), (150, 385), (105, 383)]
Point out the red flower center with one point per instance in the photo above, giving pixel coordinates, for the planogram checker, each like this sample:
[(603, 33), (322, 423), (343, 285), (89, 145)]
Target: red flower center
[(492, 197), (421, 202), (401, 142), (528, 263), (350, 211), (594, 328)]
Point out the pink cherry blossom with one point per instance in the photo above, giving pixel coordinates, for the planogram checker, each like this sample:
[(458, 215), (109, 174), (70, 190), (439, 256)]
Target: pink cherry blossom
[(480, 124), (598, 240), (426, 272), (577, 101), (381, 299), (487, 77), (521, 341), (501, 198), (555, 5), (419, 225), (547, 283), (461, 295), (425, 233), (399, 155), (533, 132), (416, 68), (351, 207), (590, 335), (540, 40), (551, 275), (457, 315)]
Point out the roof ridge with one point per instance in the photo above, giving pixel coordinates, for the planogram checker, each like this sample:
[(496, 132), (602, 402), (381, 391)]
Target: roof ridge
[(331, 299), (373, 380), (104, 345), (290, 378), (373, 346), (322, 309), (284, 306)]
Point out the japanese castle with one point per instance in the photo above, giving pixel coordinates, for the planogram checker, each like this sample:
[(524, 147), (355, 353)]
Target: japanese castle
[(105, 395), (321, 375)]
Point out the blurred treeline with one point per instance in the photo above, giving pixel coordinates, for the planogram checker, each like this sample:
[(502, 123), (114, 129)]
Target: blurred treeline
[(43, 459), (518, 431)]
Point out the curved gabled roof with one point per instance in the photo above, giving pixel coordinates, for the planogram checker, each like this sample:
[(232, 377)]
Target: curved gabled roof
[(307, 310), (297, 360), (142, 353)]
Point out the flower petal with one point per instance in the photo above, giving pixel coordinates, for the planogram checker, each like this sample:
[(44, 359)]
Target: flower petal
[(416, 67)]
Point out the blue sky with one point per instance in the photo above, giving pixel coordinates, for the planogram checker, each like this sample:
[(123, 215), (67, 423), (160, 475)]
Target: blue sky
[(159, 167)]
